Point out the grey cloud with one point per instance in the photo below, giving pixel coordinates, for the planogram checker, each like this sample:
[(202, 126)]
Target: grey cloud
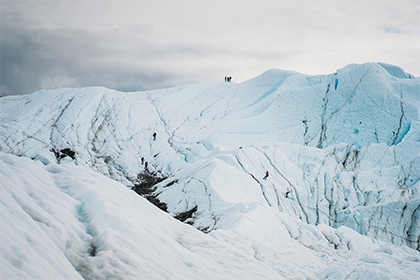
[(141, 45), (47, 57), (33, 59)]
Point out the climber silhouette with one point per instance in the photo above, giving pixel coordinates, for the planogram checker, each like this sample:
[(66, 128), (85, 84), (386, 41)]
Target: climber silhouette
[(266, 175), (287, 192)]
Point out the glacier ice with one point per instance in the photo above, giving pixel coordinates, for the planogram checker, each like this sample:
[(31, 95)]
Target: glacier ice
[(347, 145)]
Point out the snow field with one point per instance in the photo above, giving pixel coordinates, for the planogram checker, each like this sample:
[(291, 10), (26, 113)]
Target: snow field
[(68, 222)]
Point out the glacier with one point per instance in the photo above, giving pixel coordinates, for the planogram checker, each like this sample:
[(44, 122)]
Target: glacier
[(346, 145)]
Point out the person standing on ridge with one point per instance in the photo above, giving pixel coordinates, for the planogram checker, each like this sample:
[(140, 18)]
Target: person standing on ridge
[(287, 192), (142, 160), (154, 136), (266, 175)]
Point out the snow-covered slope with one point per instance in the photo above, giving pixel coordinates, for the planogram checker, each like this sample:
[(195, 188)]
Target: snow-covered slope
[(347, 145), (68, 222)]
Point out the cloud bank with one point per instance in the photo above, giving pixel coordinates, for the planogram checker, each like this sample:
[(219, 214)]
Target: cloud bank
[(141, 45)]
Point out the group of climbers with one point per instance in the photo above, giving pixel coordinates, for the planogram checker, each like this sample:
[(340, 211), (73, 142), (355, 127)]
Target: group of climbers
[(143, 161)]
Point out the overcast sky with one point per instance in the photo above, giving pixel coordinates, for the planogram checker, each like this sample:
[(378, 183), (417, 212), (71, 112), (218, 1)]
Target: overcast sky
[(141, 45)]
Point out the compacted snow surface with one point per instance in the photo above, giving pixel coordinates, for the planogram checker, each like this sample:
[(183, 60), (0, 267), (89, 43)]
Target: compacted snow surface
[(346, 145)]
